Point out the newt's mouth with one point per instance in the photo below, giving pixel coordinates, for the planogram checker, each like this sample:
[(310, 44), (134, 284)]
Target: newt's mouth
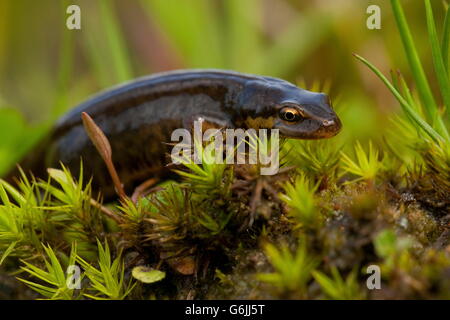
[(312, 129)]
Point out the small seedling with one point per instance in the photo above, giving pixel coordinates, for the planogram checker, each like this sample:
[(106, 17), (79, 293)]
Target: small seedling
[(300, 197), (337, 288), (103, 147), (293, 271), (366, 166), (54, 276)]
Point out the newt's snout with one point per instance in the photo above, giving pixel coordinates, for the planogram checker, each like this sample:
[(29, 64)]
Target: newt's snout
[(331, 127)]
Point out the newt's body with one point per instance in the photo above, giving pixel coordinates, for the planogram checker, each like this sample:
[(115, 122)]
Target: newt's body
[(138, 119)]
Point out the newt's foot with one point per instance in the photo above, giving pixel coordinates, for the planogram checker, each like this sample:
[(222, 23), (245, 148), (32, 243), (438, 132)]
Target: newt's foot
[(144, 189), (258, 185)]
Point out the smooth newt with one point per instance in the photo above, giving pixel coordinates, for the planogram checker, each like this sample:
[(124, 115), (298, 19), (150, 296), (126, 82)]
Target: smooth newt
[(138, 118)]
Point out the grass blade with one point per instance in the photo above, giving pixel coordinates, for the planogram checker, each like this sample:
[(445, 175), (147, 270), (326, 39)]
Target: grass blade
[(404, 104), (408, 95), (243, 34), (294, 44), (65, 67), (105, 46), (116, 42), (416, 66), (446, 38), (441, 71), (193, 27)]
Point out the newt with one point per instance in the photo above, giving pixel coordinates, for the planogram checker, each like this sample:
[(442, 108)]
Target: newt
[(139, 117)]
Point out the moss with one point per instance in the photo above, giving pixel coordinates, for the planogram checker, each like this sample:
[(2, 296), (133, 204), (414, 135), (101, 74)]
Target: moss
[(209, 251)]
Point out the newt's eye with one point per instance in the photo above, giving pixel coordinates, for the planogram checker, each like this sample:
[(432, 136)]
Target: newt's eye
[(290, 114)]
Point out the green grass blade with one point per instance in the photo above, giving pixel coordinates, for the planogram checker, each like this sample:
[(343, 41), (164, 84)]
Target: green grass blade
[(243, 34), (96, 60), (116, 42), (404, 104), (65, 67), (193, 27), (104, 45), (295, 44), (408, 96), (446, 40), (423, 87), (441, 71)]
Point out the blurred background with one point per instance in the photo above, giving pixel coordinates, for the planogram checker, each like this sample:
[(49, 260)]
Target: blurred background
[(46, 69)]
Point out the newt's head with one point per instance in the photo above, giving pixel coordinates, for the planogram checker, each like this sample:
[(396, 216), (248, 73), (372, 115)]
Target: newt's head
[(307, 115), (297, 113)]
